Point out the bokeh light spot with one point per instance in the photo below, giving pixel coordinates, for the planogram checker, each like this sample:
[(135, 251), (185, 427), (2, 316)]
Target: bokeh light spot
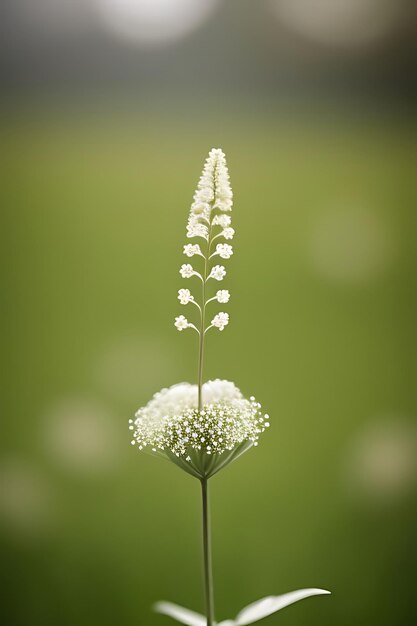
[(153, 22), (82, 435), (342, 23), (382, 461)]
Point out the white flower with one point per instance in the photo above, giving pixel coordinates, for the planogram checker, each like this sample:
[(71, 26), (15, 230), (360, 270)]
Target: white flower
[(184, 296), (197, 230), (222, 220), (213, 190), (224, 250), (201, 209), (171, 423), (181, 323), (218, 272), (228, 233), (223, 296), (190, 249), (186, 270), (220, 320), (204, 194)]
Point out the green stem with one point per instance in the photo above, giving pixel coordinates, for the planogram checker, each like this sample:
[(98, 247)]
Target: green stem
[(208, 572), (201, 342), (203, 323)]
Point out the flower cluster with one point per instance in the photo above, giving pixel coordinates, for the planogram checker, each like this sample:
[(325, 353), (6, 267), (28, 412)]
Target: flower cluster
[(171, 423), (190, 250), (184, 296), (220, 320), (209, 219)]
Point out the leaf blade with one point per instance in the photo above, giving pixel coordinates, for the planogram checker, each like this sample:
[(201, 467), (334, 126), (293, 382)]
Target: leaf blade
[(271, 604), (179, 613)]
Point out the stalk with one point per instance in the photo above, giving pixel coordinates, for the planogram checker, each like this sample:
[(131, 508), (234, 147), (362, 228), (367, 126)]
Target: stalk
[(202, 335), (203, 323), (208, 571)]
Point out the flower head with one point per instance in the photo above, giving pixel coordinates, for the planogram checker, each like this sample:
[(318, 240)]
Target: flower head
[(184, 296), (222, 220), (171, 424), (224, 250), (228, 233), (186, 270), (197, 230), (223, 296), (190, 250), (218, 272), (220, 320), (213, 192), (181, 323)]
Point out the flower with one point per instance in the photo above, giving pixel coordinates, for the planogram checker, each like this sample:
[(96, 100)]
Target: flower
[(223, 296), (197, 230), (220, 320), (184, 296), (201, 209), (186, 270), (213, 192), (224, 250), (228, 233), (171, 424), (218, 272), (190, 249), (181, 323), (222, 220), (205, 193)]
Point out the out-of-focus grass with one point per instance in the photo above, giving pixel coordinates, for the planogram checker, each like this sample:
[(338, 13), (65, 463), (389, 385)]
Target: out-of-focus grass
[(322, 332)]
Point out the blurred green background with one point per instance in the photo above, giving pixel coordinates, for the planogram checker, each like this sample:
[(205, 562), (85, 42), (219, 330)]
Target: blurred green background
[(99, 167)]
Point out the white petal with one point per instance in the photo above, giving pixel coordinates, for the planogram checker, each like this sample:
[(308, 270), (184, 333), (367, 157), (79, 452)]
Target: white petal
[(262, 608), (228, 622), (184, 616)]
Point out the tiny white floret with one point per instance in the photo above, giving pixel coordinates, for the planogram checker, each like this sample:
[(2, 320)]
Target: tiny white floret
[(184, 296), (218, 272), (222, 220), (181, 322), (223, 296), (190, 249), (197, 230), (220, 320), (186, 270), (224, 250), (228, 233)]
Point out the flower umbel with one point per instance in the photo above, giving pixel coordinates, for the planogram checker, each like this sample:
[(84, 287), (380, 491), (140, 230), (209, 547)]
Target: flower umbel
[(171, 424)]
